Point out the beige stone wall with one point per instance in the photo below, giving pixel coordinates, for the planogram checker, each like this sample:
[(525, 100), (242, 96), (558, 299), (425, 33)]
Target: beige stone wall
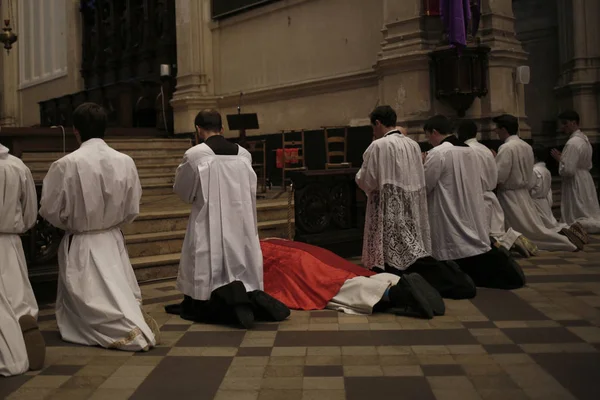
[(301, 64), (21, 105)]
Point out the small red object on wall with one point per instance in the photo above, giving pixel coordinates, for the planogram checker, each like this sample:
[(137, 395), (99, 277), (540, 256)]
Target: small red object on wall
[(432, 7), (291, 157)]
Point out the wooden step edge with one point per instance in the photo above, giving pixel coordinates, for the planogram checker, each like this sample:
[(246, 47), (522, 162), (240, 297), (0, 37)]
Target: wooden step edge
[(174, 213), (155, 236), (273, 223), (266, 204), (154, 261)]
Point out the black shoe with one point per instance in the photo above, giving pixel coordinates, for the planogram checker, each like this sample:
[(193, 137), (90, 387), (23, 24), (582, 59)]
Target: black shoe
[(267, 308), (244, 315), (408, 300), (432, 296), (464, 286)]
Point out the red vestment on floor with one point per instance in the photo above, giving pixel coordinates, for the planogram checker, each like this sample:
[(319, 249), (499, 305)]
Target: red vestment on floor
[(302, 276)]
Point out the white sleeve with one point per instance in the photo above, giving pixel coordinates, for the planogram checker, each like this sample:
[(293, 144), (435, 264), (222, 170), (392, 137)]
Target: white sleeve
[(54, 206), (568, 160), (134, 196), (186, 181), (28, 200), (433, 170), (367, 177), (537, 191), (504, 163)]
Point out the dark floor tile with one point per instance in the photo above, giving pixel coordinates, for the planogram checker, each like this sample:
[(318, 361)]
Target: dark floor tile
[(406, 388), (577, 372), (265, 327), (61, 370), (443, 370), (541, 335), (375, 338), (423, 337), (254, 351), (323, 338), (546, 261), (478, 324), (502, 348), (204, 339), (575, 322), (166, 288), (324, 314), (323, 370), (563, 278), (156, 351), (174, 298), (43, 318), (503, 305), (196, 378), (174, 328), (582, 293), (11, 384), (53, 339)]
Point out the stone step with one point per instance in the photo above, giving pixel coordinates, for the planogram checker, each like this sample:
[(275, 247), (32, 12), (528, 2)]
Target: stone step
[(133, 153), (167, 178), (160, 243), (140, 162), (176, 219), (165, 265), (132, 144), (155, 189)]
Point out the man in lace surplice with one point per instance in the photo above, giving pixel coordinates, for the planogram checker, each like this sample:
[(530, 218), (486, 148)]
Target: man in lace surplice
[(397, 236)]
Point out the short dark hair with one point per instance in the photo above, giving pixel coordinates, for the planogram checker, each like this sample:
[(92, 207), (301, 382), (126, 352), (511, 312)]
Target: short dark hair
[(508, 122), (90, 121), (438, 123), (384, 114), (540, 153), (209, 120), (467, 129), (569, 115)]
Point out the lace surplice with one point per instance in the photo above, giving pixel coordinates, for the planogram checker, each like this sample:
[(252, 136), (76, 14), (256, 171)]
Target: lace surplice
[(396, 228)]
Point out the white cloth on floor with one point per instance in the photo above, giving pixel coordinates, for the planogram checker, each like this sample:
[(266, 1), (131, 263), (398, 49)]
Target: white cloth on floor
[(18, 213), (221, 244), (515, 179), (359, 295), (89, 194), (455, 202), (541, 193), (396, 223), (489, 180), (579, 201)]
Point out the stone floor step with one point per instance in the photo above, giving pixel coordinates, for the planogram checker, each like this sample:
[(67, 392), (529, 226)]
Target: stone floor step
[(129, 144), (154, 189), (158, 221), (162, 178), (155, 267), (140, 161)]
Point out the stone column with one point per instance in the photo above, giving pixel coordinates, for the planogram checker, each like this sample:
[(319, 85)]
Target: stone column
[(579, 83), (403, 61), (194, 90), (9, 106), (497, 30)]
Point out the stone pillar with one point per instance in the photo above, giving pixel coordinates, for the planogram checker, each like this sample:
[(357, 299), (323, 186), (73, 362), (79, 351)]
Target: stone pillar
[(505, 96), (579, 83), (195, 76), (9, 100), (403, 61)]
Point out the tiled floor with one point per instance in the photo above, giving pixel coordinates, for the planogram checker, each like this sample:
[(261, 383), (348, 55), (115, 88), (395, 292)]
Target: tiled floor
[(539, 342)]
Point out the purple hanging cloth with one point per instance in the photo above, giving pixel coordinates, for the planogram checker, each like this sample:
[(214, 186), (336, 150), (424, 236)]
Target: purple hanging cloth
[(456, 15)]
